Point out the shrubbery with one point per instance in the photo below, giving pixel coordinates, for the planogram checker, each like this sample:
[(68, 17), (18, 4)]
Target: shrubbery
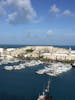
[(29, 50)]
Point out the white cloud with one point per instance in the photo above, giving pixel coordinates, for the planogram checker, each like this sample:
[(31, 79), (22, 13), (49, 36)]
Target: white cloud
[(67, 13), (12, 18), (2, 11), (21, 10), (49, 32), (58, 12), (54, 9)]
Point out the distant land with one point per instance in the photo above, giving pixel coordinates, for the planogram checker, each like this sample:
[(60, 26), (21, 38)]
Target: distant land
[(23, 45)]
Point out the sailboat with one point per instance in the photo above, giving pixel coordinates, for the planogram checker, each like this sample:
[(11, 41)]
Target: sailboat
[(46, 93)]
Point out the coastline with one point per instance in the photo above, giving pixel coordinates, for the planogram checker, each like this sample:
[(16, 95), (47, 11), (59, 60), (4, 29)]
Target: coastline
[(44, 53), (30, 56)]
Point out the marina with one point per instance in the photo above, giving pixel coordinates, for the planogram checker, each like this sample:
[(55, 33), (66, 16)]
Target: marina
[(37, 49), (55, 69), (27, 85), (23, 65), (24, 80), (33, 65), (15, 67)]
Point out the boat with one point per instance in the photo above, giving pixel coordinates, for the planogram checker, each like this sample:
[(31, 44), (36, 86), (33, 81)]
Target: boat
[(33, 63), (73, 65), (9, 68), (15, 67), (46, 93), (55, 69)]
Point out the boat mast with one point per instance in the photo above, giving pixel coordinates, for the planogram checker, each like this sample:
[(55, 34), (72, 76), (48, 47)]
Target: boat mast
[(48, 85)]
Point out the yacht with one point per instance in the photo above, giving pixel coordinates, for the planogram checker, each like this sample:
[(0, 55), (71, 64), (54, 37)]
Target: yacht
[(46, 93), (55, 69), (73, 64)]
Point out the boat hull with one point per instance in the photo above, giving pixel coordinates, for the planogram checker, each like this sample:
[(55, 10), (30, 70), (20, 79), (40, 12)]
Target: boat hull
[(48, 98), (73, 65)]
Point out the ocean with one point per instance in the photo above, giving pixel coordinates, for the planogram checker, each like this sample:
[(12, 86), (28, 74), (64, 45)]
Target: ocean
[(27, 85), (19, 46)]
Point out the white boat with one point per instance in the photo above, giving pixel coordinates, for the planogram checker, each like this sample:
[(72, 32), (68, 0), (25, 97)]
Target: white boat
[(55, 69), (8, 68), (73, 64), (19, 67), (33, 63), (41, 71), (15, 67), (45, 95)]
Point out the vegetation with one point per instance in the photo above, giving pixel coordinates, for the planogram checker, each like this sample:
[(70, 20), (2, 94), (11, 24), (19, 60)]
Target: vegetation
[(29, 50), (21, 57), (69, 61), (44, 59)]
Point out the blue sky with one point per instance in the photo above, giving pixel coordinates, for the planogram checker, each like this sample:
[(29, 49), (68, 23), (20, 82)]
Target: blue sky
[(37, 22)]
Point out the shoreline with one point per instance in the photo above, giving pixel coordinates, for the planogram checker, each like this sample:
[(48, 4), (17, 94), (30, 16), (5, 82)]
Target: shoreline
[(47, 54)]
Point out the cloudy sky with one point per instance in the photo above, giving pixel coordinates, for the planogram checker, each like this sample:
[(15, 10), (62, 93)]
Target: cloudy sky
[(37, 22)]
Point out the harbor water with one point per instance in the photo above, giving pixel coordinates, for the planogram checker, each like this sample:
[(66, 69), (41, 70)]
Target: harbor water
[(27, 85)]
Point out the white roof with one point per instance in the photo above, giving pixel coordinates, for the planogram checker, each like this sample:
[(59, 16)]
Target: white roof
[(1, 49), (58, 54), (73, 51), (10, 49), (46, 54)]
